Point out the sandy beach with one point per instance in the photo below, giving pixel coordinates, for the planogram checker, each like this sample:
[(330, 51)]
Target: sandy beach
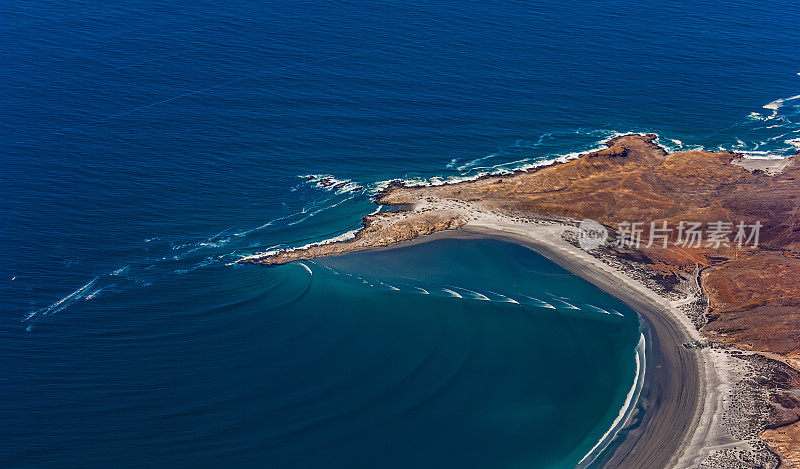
[(708, 400), (677, 419)]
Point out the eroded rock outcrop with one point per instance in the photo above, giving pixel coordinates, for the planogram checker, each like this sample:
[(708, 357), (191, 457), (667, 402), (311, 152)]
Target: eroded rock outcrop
[(753, 292)]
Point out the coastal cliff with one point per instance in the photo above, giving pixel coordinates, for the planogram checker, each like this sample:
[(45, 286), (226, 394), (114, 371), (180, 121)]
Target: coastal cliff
[(751, 293)]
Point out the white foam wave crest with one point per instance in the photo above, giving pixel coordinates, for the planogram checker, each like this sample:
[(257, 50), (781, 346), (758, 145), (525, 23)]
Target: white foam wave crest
[(335, 239), (265, 225), (624, 411), (308, 269), (330, 183), (63, 303), (563, 303), (310, 210), (472, 163), (760, 155), (777, 123), (778, 103), (598, 309), (504, 298), (320, 210), (452, 293), (472, 172), (474, 295), (539, 303), (270, 251)]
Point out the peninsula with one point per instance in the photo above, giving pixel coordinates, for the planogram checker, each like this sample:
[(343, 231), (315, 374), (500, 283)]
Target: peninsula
[(723, 312)]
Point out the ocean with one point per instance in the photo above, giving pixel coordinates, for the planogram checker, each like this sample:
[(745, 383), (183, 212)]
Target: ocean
[(145, 147)]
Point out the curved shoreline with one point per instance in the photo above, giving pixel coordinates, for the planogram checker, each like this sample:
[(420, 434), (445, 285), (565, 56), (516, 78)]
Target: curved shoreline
[(625, 413), (693, 410), (657, 431)]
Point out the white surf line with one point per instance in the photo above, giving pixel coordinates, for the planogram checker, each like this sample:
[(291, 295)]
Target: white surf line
[(63, 303), (478, 296), (336, 272), (93, 294), (424, 291), (270, 251), (454, 294), (598, 309), (390, 286), (387, 285), (565, 304), (555, 296), (777, 104), (507, 299), (338, 238), (540, 303), (640, 369), (307, 268), (302, 211), (321, 209), (506, 168), (474, 162)]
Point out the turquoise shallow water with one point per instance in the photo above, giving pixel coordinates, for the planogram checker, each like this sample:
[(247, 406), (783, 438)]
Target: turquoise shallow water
[(146, 146), (453, 353)]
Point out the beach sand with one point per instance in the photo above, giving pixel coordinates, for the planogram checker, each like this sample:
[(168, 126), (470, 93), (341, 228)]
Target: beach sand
[(706, 397), (677, 421)]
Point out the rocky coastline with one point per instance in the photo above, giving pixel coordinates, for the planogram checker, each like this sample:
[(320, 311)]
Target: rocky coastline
[(735, 310)]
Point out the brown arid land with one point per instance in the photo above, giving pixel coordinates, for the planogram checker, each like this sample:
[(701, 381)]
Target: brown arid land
[(727, 317)]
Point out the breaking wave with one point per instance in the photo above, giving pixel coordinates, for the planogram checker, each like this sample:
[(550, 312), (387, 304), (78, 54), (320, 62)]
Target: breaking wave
[(630, 400), (770, 135)]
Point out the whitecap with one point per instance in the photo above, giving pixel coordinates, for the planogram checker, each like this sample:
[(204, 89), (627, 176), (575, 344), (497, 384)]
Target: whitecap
[(774, 105), (630, 398), (540, 303), (469, 164), (306, 267), (452, 293), (564, 303), (63, 303), (504, 298), (121, 270), (338, 238), (598, 309), (330, 183), (795, 142), (93, 294), (474, 295)]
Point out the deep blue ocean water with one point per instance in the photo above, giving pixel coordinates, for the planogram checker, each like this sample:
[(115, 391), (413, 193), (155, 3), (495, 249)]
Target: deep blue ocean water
[(144, 147)]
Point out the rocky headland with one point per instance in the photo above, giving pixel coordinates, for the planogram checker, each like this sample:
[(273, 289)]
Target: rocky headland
[(738, 305)]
